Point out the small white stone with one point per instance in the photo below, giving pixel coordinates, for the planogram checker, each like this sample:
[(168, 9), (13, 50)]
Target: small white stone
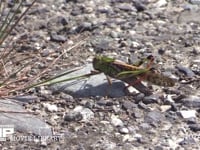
[(169, 98), (78, 108), (116, 121), (172, 143), (123, 130), (165, 108), (43, 143), (188, 113), (86, 113), (160, 3), (132, 90), (135, 44), (128, 138), (132, 32), (166, 126), (49, 107)]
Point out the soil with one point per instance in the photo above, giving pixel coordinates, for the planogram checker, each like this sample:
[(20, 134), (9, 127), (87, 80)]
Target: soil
[(127, 30)]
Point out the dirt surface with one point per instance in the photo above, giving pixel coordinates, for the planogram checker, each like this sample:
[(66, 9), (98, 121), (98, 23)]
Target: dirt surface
[(127, 30)]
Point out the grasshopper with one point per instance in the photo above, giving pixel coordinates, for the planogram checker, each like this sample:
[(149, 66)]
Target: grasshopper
[(120, 70), (131, 74)]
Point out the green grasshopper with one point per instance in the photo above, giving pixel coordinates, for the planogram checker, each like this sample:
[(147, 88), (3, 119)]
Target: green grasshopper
[(131, 74), (120, 70)]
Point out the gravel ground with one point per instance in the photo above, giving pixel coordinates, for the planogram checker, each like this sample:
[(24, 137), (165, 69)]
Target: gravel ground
[(127, 30)]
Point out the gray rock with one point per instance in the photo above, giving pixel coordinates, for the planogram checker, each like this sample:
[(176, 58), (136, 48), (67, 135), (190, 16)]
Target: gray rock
[(101, 43), (195, 127), (23, 122), (139, 97), (196, 2), (58, 38), (139, 6), (125, 7), (73, 116), (25, 98), (86, 113), (116, 121), (95, 85), (66, 97), (145, 126), (188, 113), (127, 105), (114, 34), (191, 101), (79, 114), (154, 117), (85, 26), (150, 99), (188, 72), (189, 16), (136, 113), (102, 102), (188, 141)]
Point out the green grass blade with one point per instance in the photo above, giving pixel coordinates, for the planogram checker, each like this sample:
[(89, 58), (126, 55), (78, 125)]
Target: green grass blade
[(55, 80), (7, 22)]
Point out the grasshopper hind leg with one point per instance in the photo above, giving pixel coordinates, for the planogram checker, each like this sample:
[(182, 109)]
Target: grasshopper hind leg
[(109, 86)]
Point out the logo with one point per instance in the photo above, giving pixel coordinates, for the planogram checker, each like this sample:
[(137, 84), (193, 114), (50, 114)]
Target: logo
[(6, 131), (7, 134)]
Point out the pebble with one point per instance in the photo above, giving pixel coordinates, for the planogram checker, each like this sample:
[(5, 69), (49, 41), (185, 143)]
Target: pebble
[(154, 117), (128, 105), (150, 99), (195, 2), (73, 116), (191, 101), (116, 121), (145, 126), (194, 127), (187, 141), (26, 98), (66, 97), (136, 113), (57, 38), (79, 113), (123, 130), (139, 6), (50, 107), (87, 114), (125, 7), (85, 26), (165, 108), (43, 143), (139, 97), (160, 3), (188, 72), (188, 114)]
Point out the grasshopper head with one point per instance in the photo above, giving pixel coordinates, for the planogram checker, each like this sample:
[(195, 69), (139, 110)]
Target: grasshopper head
[(100, 62)]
